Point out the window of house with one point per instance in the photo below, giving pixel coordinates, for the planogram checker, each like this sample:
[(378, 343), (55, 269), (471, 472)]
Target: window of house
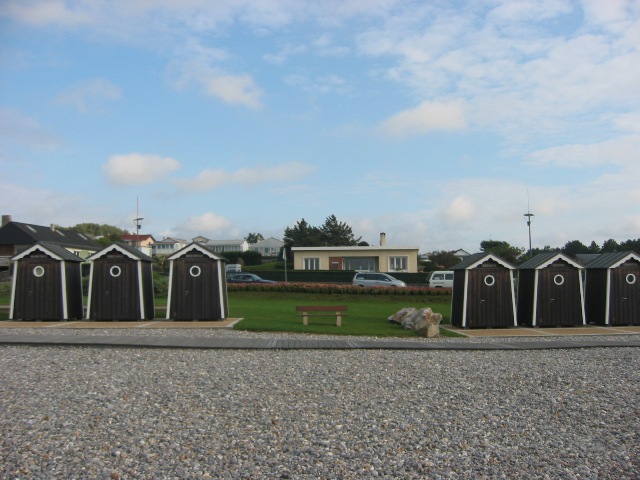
[(312, 263), (360, 264), (399, 264)]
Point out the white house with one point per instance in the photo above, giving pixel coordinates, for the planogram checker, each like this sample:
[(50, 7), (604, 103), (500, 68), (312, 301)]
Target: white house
[(269, 247), (168, 246)]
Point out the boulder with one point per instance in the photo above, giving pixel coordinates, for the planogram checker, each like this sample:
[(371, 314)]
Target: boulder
[(424, 321)]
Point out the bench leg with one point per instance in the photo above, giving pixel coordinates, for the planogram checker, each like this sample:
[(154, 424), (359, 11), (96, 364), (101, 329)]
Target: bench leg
[(338, 319), (305, 318)]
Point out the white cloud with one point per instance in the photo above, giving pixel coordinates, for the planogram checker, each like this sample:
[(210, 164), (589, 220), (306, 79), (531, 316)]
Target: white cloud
[(88, 93), (16, 128), (233, 89), (137, 168), (461, 208), (207, 223), (617, 151), (212, 178), (426, 117)]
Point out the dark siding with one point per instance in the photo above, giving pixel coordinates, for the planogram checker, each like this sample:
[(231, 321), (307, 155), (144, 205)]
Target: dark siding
[(38, 298), (115, 298), (73, 273), (457, 299), (197, 297), (625, 297), (559, 305), (147, 290), (526, 290), (489, 305), (596, 296)]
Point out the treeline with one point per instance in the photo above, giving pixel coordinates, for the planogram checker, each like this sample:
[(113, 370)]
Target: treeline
[(443, 259)]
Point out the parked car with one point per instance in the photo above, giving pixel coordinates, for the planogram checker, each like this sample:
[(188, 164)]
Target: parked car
[(442, 279), (247, 278), (376, 279)]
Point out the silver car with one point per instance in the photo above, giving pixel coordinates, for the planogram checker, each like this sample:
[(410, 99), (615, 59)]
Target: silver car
[(376, 279)]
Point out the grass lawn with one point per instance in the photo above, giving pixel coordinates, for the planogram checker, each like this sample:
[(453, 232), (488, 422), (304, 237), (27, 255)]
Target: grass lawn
[(275, 312), (367, 314)]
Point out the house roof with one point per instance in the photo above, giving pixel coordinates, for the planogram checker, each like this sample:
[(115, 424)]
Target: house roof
[(58, 252), (268, 242), (612, 260), (18, 233), (543, 260), (356, 248), (134, 237), (131, 252), (226, 242), (171, 241), (476, 259)]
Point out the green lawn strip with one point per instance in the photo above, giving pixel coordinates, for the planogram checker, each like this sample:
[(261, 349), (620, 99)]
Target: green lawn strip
[(366, 315)]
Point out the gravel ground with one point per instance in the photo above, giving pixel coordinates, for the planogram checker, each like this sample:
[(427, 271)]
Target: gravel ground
[(84, 412)]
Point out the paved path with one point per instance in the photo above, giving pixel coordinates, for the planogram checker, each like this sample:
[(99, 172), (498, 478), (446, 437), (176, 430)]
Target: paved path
[(294, 344)]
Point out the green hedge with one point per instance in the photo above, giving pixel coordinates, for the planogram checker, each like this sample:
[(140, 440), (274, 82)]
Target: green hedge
[(333, 288)]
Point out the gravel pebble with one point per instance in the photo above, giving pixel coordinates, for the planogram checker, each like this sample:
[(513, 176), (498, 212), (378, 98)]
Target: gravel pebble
[(121, 413)]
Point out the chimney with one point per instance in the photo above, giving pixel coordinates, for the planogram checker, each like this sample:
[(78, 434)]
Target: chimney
[(383, 239), (53, 227), (6, 219)]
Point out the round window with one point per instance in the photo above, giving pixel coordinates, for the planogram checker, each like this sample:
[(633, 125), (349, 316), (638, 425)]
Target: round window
[(115, 271), (630, 278), (489, 280), (558, 279), (38, 271), (195, 271)]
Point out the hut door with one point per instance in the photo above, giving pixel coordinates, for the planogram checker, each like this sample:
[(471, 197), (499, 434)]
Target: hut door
[(195, 291), (489, 285), (39, 284), (559, 297), (118, 299), (625, 295)]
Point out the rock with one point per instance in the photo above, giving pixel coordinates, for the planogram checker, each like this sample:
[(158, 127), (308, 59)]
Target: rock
[(401, 315), (423, 321)]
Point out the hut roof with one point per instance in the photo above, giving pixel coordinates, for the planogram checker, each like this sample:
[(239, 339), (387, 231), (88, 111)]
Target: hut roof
[(131, 252), (195, 246), (543, 260), (472, 261), (58, 252), (612, 259)]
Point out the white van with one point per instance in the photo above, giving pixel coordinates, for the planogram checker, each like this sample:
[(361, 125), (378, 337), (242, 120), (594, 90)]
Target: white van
[(442, 279), (231, 268)]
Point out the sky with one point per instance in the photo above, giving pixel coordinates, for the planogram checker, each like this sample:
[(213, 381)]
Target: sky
[(440, 123)]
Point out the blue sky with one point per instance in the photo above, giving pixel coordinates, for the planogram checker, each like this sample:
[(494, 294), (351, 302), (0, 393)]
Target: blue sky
[(433, 121)]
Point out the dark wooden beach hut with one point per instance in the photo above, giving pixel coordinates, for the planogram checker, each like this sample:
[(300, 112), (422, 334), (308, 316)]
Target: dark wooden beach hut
[(483, 294), (550, 291), (612, 293), (197, 285), (47, 284), (120, 284)]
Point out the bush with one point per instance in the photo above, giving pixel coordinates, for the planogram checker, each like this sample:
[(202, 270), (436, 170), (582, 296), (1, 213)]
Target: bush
[(301, 287), (5, 289)]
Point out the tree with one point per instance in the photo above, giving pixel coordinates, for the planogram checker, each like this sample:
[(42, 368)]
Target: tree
[(610, 246), (633, 245), (594, 248), (441, 260), (502, 249), (337, 234), (253, 238), (302, 235), (574, 247), (108, 233)]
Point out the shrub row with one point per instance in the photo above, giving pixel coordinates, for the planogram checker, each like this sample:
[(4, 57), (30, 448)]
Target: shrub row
[(300, 287)]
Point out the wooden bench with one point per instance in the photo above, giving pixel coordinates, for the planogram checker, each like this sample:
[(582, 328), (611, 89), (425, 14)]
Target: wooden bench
[(317, 310)]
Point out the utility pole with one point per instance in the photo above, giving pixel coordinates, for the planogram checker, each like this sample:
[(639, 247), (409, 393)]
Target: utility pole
[(528, 216)]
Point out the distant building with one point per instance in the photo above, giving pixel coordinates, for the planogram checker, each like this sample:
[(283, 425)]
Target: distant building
[(219, 246), (269, 247), (144, 242), (168, 246)]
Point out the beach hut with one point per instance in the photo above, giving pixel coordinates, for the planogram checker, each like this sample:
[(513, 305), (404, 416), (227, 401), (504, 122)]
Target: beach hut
[(120, 284), (197, 285), (550, 291), (483, 294), (613, 289), (47, 284)]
